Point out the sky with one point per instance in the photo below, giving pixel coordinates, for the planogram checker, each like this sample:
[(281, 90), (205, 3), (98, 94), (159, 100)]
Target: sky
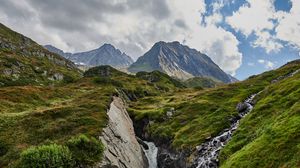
[(244, 37)]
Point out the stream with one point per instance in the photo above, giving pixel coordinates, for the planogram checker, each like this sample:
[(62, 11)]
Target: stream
[(208, 152), (151, 154)]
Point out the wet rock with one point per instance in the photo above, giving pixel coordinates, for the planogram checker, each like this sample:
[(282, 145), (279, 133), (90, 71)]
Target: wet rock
[(242, 107), (207, 138), (145, 146), (208, 155), (170, 112)]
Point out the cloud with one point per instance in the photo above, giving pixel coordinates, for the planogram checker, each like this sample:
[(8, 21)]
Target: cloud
[(270, 27), (254, 16), (288, 28), (267, 41), (267, 64), (131, 25)]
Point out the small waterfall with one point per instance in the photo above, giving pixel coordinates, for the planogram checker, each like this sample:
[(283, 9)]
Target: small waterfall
[(208, 152), (151, 154)]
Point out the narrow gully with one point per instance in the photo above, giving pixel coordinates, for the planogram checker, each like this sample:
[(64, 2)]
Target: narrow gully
[(208, 152)]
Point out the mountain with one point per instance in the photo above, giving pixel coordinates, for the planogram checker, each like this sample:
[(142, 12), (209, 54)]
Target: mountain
[(179, 61), (52, 115), (104, 55), (23, 61), (58, 51)]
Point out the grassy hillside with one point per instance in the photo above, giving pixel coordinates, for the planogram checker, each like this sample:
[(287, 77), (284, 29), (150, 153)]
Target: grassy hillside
[(269, 136), (202, 82), (199, 114), (23, 62), (48, 108), (41, 115)]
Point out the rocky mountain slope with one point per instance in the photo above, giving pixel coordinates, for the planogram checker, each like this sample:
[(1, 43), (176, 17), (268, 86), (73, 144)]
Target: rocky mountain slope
[(83, 122), (104, 55), (178, 61), (22, 61)]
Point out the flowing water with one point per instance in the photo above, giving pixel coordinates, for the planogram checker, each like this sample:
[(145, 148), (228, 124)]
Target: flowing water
[(209, 151), (151, 154)]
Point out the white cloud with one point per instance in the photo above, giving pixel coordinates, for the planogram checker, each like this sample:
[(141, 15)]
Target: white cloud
[(267, 64), (267, 41), (131, 25), (260, 18), (252, 17), (288, 28)]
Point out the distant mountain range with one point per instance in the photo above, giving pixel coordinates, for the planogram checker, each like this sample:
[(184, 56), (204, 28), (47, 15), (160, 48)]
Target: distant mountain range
[(179, 61), (104, 55), (172, 58)]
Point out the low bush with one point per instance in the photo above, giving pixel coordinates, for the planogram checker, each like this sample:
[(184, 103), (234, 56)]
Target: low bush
[(86, 151), (3, 148), (52, 155)]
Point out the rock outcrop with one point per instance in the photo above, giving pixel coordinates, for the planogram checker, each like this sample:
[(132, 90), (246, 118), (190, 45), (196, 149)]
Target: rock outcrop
[(122, 148)]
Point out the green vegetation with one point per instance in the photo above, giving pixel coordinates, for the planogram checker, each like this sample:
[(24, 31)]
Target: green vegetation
[(207, 111), (33, 115), (24, 62), (37, 115), (86, 151), (161, 80), (202, 82), (46, 156), (269, 136), (45, 122)]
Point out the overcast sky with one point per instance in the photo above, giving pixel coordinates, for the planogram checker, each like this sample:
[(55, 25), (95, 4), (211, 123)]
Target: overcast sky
[(243, 37)]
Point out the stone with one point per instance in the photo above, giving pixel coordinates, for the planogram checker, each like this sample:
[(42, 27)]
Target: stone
[(123, 151), (241, 107)]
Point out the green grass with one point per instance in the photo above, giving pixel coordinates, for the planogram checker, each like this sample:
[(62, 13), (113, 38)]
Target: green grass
[(36, 115), (199, 113), (24, 62), (202, 82), (35, 111), (33, 115), (269, 136)]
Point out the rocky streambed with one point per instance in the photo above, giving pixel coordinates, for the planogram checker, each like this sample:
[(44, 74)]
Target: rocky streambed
[(208, 152)]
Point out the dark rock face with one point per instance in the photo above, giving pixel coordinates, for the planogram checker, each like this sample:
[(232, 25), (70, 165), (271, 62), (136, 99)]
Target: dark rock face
[(176, 159), (105, 55), (179, 61)]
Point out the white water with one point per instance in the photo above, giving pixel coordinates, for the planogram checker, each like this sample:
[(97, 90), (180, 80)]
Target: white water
[(151, 154), (209, 151)]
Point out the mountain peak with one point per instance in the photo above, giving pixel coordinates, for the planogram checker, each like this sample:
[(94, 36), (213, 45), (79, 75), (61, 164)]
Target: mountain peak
[(106, 54), (108, 46), (179, 61)]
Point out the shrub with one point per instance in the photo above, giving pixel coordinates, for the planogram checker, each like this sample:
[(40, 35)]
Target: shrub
[(51, 156), (3, 148), (68, 79), (86, 151), (107, 81)]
